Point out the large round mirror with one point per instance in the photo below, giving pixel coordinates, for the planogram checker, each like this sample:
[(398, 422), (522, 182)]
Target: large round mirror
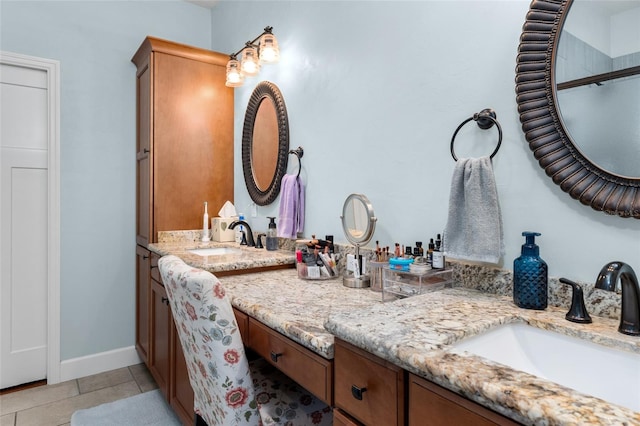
[(265, 143), (589, 164)]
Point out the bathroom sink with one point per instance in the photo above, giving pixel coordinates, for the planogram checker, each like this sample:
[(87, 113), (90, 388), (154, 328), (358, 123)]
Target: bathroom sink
[(607, 373), (215, 251)]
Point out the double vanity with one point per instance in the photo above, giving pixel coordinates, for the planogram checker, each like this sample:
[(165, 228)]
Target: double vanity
[(416, 359)]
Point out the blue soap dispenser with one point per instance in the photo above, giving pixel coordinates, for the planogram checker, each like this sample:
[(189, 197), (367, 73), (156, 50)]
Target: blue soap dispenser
[(530, 276)]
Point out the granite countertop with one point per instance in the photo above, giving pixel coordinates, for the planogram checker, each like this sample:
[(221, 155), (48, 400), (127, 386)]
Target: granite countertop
[(416, 334), (249, 257)]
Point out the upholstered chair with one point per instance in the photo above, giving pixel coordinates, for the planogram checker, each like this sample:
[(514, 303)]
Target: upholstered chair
[(228, 388)]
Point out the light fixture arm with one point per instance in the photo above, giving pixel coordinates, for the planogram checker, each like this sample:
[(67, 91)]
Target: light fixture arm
[(252, 43)]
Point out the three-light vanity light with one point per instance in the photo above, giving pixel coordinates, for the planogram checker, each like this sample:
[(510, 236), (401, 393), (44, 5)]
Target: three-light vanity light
[(252, 56)]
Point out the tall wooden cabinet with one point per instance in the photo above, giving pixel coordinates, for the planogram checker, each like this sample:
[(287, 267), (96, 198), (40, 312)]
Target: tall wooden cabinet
[(184, 154)]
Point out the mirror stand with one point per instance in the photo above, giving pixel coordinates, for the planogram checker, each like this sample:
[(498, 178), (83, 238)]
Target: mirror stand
[(361, 280)]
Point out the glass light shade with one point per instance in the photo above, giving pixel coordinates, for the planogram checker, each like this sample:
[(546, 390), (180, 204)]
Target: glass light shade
[(250, 64), (234, 75), (269, 51)]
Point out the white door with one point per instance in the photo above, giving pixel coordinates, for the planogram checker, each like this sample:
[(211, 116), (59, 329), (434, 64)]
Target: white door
[(24, 143)]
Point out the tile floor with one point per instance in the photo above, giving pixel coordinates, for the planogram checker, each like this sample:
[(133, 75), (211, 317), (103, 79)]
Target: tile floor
[(53, 405)]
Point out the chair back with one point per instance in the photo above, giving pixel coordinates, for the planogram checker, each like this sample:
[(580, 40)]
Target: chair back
[(218, 367)]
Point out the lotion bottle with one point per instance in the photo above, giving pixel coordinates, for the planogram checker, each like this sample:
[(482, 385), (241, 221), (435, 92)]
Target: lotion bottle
[(272, 237), (530, 276)]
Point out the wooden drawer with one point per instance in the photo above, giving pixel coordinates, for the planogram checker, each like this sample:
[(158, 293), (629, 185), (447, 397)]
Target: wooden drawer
[(368, 388), (243, 325), (433, 405), (340, 418), (308, 369), (155, 271)]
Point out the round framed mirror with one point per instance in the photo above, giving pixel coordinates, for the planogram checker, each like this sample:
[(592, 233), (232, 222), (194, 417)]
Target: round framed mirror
[(562, 157), (358, 219), (265, 143)]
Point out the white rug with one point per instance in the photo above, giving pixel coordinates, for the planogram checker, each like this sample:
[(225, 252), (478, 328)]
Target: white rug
[(148, 408)]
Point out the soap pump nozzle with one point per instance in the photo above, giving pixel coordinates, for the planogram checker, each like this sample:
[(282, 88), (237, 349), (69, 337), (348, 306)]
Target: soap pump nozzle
[(530, 248)]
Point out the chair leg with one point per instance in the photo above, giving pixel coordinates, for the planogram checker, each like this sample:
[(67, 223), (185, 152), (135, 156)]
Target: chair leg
[(199, 421)]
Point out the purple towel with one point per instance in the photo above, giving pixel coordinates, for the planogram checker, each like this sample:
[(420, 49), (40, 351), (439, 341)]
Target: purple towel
[(291, 218)]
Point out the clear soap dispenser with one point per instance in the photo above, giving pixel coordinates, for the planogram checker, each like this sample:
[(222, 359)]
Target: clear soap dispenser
[(272, 236), (530, 276)]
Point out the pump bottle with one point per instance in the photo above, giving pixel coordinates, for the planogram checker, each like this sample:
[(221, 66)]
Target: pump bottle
[(272, 237), (530, 283), (239, 230)]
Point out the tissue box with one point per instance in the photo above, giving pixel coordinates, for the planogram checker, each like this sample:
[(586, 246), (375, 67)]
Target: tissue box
[(220, 230)]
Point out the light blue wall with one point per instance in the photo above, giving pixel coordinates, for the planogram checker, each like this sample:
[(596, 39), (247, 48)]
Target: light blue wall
[(374, 91), (94, 42)]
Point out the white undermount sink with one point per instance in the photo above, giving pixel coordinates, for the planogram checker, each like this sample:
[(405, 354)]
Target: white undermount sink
[(215, 251), (607, 373)]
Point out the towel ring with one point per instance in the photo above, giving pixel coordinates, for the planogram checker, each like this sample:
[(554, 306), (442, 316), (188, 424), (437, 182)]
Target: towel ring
[(298, 152), (485, 119)]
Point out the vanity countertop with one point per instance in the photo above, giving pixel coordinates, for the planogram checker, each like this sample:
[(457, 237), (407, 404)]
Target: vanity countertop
[(248, 259), (415, 334)]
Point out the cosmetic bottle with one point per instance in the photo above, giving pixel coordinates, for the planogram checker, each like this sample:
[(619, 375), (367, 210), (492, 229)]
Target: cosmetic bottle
[(430, 247), (272, 237), (437, 258), (205, 225), (530, 276), (239, 230)]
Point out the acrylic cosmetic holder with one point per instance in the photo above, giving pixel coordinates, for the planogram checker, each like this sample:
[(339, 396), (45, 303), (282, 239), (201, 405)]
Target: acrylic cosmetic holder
[(398, 284)]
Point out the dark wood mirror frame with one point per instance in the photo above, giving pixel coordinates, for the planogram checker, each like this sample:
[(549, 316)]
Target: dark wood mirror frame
[(265, 91), (543, 126)]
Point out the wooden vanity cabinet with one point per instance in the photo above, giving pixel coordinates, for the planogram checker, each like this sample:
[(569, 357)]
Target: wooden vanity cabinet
[(367, 388), (184, 147), (433, 405), (184, 157)]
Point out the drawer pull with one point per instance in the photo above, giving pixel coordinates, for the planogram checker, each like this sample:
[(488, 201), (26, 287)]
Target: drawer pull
[(357, 392), (275, 356), (165, 301)]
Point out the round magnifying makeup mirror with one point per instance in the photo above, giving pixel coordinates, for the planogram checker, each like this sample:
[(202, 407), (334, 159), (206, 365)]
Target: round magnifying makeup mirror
[(358, 223)]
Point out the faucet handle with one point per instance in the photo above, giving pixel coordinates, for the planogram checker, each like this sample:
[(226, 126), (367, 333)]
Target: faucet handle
[(578, 311)]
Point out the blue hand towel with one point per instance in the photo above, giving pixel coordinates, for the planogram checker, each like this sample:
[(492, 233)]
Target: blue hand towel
[(291, 219), (474, 225)]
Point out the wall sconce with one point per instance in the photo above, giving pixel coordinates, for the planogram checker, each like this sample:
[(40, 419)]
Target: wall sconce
[(252, 56)]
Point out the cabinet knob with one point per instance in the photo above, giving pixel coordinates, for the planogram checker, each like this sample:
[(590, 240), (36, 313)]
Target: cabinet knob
[(275, 356), (146, 151), (165, 301), (357, 392)]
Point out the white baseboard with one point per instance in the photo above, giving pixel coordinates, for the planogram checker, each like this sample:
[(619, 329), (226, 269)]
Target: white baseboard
[(98, 363)]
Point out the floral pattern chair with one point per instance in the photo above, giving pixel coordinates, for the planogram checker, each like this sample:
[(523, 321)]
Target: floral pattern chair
[(229, 389)]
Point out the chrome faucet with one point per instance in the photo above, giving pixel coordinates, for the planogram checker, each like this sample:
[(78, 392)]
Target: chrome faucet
[(608, 279), (249, 232)]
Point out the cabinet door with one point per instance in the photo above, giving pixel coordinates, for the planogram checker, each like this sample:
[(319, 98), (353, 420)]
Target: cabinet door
[(181, 392), (143, 282), (432, 405), (192, 141), (144, 209), (367, 387), (161, 324)]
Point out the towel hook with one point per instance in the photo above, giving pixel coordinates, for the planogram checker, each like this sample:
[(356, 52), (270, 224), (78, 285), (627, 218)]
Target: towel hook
[(485, 120), (298, 152)]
